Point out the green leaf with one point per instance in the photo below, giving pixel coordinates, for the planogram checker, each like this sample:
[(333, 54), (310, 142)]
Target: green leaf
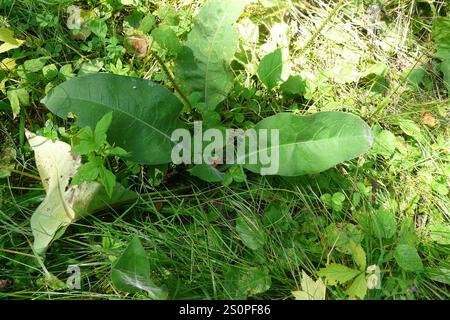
[(167, 39), (50, 71), (250, 233), (445, 68), (18, 98), (384, 225), (439, 274), (99, 28), (101, 128), (239, 284), (66, 72), (35, 65), (271, 68), (108, 180), (358, 288), (294, 86), (7, 162), (207, 173), (441, 34), (337, 201), (358, 254), (408, 232), (343, 238), (131, 272), (144, 114), (312, 144), (411, 129), (276, 215), (86, 143), (9, 42), (384, 143), (408, 258), (338, 273), (87, 172), (440, 233), (203, 65), (147, 23)]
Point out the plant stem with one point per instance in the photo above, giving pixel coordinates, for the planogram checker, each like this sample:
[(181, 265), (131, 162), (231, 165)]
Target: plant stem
[(26, 174), (172, 80), (319, 30)]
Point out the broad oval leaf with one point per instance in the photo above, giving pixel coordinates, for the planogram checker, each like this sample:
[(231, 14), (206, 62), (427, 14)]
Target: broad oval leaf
[(203, 65), (144, 113), (271, 68), (131, 272), (311, 144)]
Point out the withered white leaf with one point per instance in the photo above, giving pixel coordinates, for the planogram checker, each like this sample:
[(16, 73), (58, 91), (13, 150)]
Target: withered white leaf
[(63, 203)]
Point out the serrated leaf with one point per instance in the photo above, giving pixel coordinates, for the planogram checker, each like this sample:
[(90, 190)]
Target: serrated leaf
[(203, 65), (144, 113), (338, 273), (131, 272), (271, 68), (311, 290), (343, 237), (385, 225), (408, 258)]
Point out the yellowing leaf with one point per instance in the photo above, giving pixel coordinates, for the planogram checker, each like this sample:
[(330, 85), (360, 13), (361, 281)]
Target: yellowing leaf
[(338, 273), (359, 256), (311, 290), (63, 204), (9, 42), (8, 64)]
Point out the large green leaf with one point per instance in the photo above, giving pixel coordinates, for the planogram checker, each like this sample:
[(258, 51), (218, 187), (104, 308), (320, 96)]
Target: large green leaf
[(311, 144), (131, 272), (408, 258), (441, 34), (203, 66), (271, 68), (144, 113)]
